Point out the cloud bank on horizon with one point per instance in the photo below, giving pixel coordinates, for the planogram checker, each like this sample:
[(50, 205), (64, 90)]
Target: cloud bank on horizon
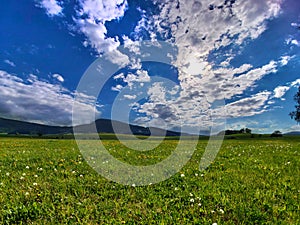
[(212, 39)]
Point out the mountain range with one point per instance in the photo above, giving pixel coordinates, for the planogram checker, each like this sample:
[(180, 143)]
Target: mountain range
[(10, 126)]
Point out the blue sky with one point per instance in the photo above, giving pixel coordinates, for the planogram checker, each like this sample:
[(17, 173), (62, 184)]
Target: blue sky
[(246, 52)]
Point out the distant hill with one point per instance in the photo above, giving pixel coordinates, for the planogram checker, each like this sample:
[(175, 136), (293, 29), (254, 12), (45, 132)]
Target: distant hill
[(293, 133), (21, 127), (102, 125)]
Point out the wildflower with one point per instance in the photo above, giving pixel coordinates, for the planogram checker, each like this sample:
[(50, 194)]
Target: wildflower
[(199, 204), (133, 185), (24, 174), (22, 178), (196, 174), (192, 200), (34, 184), (176, 188), (191, 194), (27, 167), (73, 171), (81, 175), (221, 211), (26, 193), (35, 175), (182, 175), (202, 175), (214, 224), (7, 174), (1, 183)]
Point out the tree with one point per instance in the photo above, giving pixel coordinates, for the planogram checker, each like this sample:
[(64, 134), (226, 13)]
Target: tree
[(248, 131), (296, 114), (276, 133)]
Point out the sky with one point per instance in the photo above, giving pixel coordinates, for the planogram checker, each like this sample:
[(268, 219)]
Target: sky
[(232, 62)]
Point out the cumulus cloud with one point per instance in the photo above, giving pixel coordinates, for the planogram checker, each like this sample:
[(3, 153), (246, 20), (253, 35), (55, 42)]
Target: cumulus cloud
[(280, 91), (58, 77), (291, 41), (198, 28), (118, 88), (52, 7), (92, 16), (295, 83), (250, 106), (39, 101)]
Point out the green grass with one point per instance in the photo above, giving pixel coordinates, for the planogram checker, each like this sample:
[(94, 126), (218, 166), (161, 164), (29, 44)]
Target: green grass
[(252, 181)]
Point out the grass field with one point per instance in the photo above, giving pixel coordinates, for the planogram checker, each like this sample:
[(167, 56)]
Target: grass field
[(252, 181)]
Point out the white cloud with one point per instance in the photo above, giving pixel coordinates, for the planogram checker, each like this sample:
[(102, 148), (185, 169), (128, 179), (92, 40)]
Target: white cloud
[(294, 128), (141, 76), (291, 41), (295, 25), (39, 101), (117, 88), (295, 42), (280, 91), (248, 106), (130, 97), (92, 18), (285, 60), (58, 77), (52, 7), (295, 83), (7, 61), (196, 30)]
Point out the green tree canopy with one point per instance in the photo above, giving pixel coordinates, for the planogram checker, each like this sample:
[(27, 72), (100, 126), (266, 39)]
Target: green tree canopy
[(296, 114)]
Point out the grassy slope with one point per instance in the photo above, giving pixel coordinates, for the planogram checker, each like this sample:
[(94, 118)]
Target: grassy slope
[(252, 181)]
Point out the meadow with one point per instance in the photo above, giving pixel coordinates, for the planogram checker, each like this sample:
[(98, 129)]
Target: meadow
[(252, 181)]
